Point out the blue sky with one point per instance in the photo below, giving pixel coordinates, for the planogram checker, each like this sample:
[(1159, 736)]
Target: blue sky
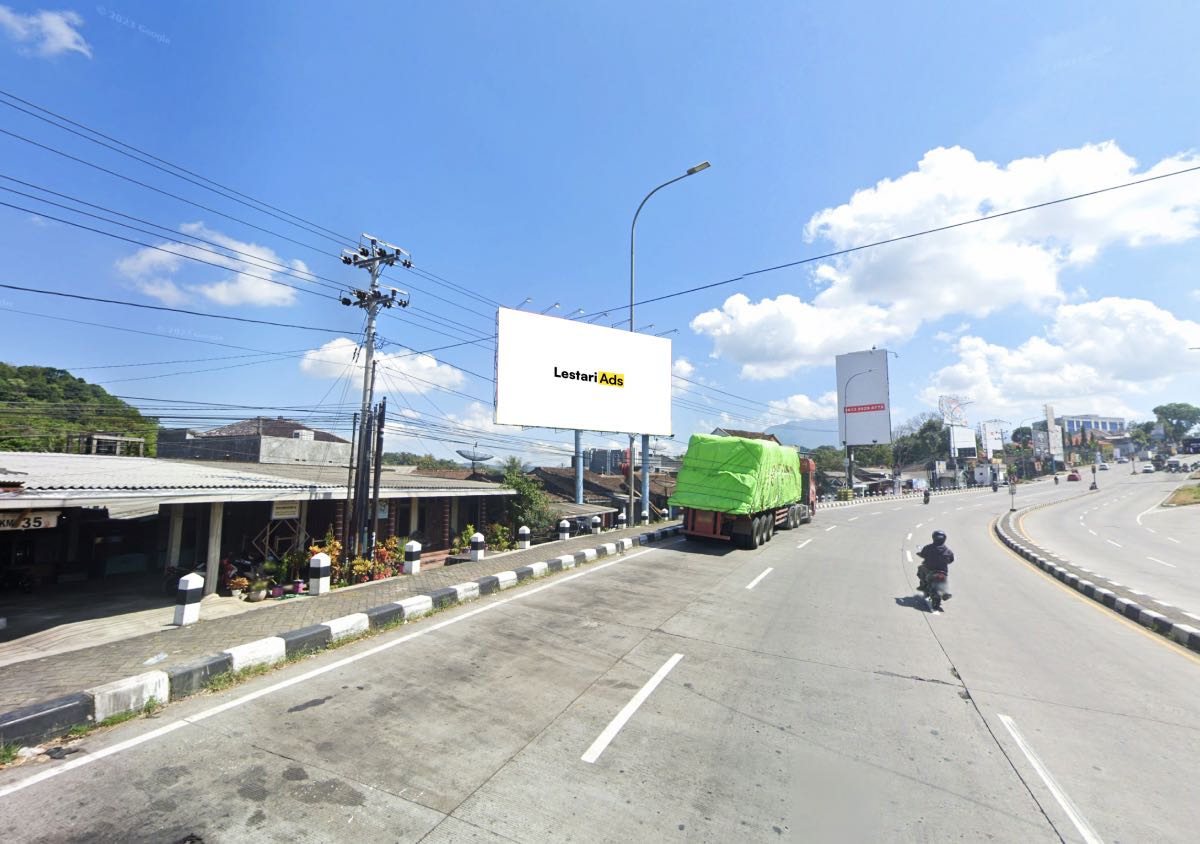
[(506, 146)]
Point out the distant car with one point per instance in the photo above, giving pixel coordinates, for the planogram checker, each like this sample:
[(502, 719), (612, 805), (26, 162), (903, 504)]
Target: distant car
[(1074, 476), (1103, 467), (1148, 469), (1122, 459)]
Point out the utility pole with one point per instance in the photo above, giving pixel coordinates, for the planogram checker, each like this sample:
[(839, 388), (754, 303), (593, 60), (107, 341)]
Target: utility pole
[(372, 255)]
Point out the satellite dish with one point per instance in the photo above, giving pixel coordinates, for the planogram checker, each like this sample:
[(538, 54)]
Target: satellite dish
[(474, 455)]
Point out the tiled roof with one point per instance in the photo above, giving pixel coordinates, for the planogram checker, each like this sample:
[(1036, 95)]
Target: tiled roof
[(278, 427)]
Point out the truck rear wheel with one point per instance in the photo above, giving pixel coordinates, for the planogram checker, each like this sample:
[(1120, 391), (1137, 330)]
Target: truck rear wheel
[(754, 537)]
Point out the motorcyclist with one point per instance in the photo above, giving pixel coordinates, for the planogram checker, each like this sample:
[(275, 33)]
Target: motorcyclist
[(936, 556), (1056, 480)]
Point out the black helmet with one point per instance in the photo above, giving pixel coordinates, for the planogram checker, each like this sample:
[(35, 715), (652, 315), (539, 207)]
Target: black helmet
[(938, 537)]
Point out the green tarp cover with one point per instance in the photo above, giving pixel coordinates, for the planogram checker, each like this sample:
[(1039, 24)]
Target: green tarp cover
[(735, 475)]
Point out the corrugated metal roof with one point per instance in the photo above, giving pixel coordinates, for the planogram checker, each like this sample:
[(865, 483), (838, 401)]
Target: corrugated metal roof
[(95, 480)]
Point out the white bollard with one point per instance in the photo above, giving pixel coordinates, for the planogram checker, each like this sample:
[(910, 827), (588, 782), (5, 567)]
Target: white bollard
[(564, 530), (523, 537), (187, 599), (320, 567), (478, 547), (621, 520), (645, 517), (412, 557), (595, 524)]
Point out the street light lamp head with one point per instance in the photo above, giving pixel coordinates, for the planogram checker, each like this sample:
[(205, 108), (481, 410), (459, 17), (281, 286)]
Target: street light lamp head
[(703, 165)]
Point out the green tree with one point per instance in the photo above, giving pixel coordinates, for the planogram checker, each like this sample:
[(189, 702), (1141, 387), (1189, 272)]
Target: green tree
[(42, 405), (1023, 435), (531, 505), (1177, 418)]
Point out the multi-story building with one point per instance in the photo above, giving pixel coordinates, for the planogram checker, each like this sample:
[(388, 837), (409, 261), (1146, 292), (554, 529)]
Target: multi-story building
[(1082, 422)]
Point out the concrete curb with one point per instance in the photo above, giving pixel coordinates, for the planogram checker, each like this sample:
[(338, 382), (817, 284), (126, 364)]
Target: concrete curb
[(1181, 634), (30, 725), (889, 497)]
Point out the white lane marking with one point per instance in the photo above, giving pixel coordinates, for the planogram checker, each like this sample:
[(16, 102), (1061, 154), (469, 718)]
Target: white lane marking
[(876, 513), (918, 527), (97, 755), (1081, 568), (1173, 539), (802, 544), (894, 509), (1138, 592), (958, 508), (831, 527), (908, 554), (1113, 582), (1160, 562), (1118, 544), (1077, 818), (755, 581), (614, 726), (1092, 532), (852, 518), (1152, 530), (908, 537), (1163, 603)]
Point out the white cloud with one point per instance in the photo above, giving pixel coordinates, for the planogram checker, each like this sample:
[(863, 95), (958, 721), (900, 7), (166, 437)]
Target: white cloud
[(886, 293), (1092, 358), (800, 406), (162, 289), (254, 283), (774, 337), (682, 368), (399, 372), (46, 33)]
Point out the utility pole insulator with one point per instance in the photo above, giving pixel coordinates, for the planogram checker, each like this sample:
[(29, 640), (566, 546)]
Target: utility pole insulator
[(371, 256)]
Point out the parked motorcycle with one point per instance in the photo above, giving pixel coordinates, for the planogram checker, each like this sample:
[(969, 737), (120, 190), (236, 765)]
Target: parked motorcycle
[(933, 587)]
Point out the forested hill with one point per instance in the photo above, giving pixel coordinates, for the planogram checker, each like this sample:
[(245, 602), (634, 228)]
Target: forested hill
[(39, 406)]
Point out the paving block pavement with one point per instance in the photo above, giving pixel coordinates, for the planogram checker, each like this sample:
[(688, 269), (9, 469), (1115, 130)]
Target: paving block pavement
[(32, 681)]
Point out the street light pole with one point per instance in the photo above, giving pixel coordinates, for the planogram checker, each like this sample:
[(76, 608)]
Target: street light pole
[(704, 165)]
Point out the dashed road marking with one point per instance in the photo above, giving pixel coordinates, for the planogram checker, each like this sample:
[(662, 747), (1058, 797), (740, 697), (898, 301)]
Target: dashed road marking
[(756, 580), (831, 527), (1173, 539), (852, 518), (1118, 544), (802, 544), (1160, 562), (614, 726), (1092, 532), (908, 554), (907, 538)]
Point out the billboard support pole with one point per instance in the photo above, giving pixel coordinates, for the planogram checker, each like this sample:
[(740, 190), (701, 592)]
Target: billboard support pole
[(578, 466), (646, 475)]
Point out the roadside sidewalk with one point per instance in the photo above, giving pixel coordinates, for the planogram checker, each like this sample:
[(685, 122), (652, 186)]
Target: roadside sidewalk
[(36, 680)]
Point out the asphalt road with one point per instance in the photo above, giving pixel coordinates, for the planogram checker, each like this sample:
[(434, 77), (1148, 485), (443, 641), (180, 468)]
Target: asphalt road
[(1120, 533), (802, 694)]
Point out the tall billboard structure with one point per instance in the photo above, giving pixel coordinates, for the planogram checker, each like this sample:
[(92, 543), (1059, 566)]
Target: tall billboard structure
[(993, 438), (555, 373), (962, 437), (1054, 436), (864, 402)]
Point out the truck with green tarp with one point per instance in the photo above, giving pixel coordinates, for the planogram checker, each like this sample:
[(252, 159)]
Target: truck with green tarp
[(741, 490)]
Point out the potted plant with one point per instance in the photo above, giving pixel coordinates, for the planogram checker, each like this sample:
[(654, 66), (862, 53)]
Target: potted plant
[(237, 585), (257, 590)]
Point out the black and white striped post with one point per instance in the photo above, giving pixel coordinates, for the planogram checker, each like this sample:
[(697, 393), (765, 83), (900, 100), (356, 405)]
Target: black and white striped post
[(478, 547), (523, 537), (564, 530), (621, 520), (187, 599), (320, 568), (645, 517), (412, 557), (595, 524)]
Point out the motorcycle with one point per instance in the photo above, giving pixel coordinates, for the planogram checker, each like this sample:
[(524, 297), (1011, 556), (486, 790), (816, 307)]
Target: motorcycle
[(925, 497), (933, 587)]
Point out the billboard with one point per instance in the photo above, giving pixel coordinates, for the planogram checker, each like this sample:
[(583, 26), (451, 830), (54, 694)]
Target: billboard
[(1054, 436), (864, 404), (962, 441), (993, 439), (555, 373)]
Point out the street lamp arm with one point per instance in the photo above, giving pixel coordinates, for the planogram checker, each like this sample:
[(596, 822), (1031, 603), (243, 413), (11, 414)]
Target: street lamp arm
[(633, 234)]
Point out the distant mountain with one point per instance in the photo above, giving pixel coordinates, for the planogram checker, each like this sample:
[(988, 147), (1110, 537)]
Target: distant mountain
[(40, 405), (806, 434)]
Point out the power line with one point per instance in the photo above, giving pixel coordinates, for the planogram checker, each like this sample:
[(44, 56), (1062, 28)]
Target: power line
[(144, 306), (910, 236), (343, 239)]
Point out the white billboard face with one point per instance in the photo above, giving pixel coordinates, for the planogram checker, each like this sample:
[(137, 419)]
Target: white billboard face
[(962, 441), (555, 373), (993, 440), (1054, 436), (864, 402)]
